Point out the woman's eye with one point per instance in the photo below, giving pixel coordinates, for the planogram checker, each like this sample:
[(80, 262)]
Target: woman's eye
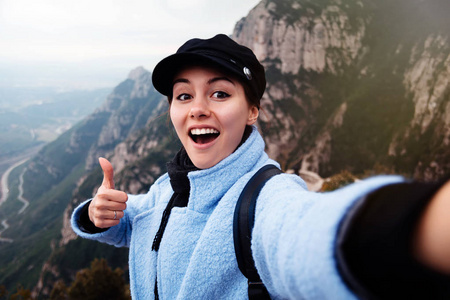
[(184, 97), (220, 95)]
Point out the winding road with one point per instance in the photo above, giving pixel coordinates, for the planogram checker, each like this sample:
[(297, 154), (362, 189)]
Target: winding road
[(5, 226), (5, 194), (20, 196), (4, 180)]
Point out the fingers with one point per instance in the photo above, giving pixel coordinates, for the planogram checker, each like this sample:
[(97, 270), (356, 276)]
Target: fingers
[(105, 205), (106, 223), (104, 218), (105, 201), (108, 173), (108, 215), (117, 214), (102, 207), (112, 195)]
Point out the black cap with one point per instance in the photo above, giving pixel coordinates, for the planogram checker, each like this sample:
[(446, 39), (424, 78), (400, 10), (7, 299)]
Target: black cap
[(221, 52)]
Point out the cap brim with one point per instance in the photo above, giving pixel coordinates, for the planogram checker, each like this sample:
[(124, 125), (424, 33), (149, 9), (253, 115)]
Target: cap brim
[(165, 71)]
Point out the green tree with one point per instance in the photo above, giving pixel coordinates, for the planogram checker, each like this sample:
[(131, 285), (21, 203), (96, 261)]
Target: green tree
[(21, 294), (3, 292), (339, 180), (59, 291), (97, 282)]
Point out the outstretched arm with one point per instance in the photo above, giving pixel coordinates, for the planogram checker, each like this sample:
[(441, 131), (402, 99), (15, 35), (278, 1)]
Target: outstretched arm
[(382, 234), (393, 242), (432, 240)]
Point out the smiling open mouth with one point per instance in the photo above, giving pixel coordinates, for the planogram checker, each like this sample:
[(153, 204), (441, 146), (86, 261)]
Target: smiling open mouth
[(204, 135)]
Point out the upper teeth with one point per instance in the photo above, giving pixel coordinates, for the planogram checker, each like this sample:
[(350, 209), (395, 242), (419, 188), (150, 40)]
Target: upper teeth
[(198, 131)]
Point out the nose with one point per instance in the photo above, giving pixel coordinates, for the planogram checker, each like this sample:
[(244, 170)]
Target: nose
[(199, 109)]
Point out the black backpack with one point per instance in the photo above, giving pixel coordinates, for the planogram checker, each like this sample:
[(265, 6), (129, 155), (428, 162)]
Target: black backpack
[(243, 221)]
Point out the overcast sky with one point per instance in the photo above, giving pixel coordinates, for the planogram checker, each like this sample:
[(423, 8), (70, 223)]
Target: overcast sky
[(94, 43)]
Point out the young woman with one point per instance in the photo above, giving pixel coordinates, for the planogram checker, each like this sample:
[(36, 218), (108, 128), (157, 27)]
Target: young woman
[(381, 237)]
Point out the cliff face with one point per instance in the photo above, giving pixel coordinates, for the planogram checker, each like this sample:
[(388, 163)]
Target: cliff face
[(427, 83), (133, 103), (354, 84), (307, 40), (303, 37)]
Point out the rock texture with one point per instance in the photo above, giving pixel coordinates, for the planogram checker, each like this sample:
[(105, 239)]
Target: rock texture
[(340, 71), (303, 42)]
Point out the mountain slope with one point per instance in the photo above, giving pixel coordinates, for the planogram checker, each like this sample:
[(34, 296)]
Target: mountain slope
[(354, 85), (53, 174)]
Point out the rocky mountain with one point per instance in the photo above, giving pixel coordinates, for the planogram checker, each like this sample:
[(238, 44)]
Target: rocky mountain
[(355, 84), (352, 85), (48, 181)]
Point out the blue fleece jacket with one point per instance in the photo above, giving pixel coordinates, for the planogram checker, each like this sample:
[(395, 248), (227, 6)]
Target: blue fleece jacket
[(293, 238)]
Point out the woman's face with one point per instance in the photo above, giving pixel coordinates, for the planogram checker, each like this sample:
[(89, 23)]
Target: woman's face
[(209, 112)]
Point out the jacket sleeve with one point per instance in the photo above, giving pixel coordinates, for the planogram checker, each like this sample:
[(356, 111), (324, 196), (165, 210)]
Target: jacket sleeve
[(120, 234), (84, 223), (294, 237), (374, 250)]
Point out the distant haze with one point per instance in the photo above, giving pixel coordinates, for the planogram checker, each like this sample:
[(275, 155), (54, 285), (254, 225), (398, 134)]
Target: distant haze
[(89, 44)]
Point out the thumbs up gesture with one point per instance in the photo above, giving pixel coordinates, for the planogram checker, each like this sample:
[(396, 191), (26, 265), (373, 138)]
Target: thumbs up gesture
[(106, 209)]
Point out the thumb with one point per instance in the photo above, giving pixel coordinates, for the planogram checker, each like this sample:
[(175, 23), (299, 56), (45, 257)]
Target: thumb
[(108, 173)]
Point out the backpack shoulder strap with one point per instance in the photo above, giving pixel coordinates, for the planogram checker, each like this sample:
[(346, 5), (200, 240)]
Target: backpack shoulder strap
[(243, 221)]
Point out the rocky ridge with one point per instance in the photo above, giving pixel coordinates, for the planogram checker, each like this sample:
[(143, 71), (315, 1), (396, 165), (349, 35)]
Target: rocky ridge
[(303, 45)]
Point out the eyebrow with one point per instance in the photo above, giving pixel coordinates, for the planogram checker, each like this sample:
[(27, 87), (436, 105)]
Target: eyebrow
[(178, 80), (212, 80)]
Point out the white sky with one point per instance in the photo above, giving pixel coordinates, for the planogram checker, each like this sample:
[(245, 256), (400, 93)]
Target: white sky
[(90, 43)]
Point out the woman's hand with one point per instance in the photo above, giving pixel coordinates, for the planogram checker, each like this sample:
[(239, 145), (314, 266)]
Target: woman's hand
[(106, 209), (432, 244)]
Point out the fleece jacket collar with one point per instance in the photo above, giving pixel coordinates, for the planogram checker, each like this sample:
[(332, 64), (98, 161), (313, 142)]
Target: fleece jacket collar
[(209, 185)]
